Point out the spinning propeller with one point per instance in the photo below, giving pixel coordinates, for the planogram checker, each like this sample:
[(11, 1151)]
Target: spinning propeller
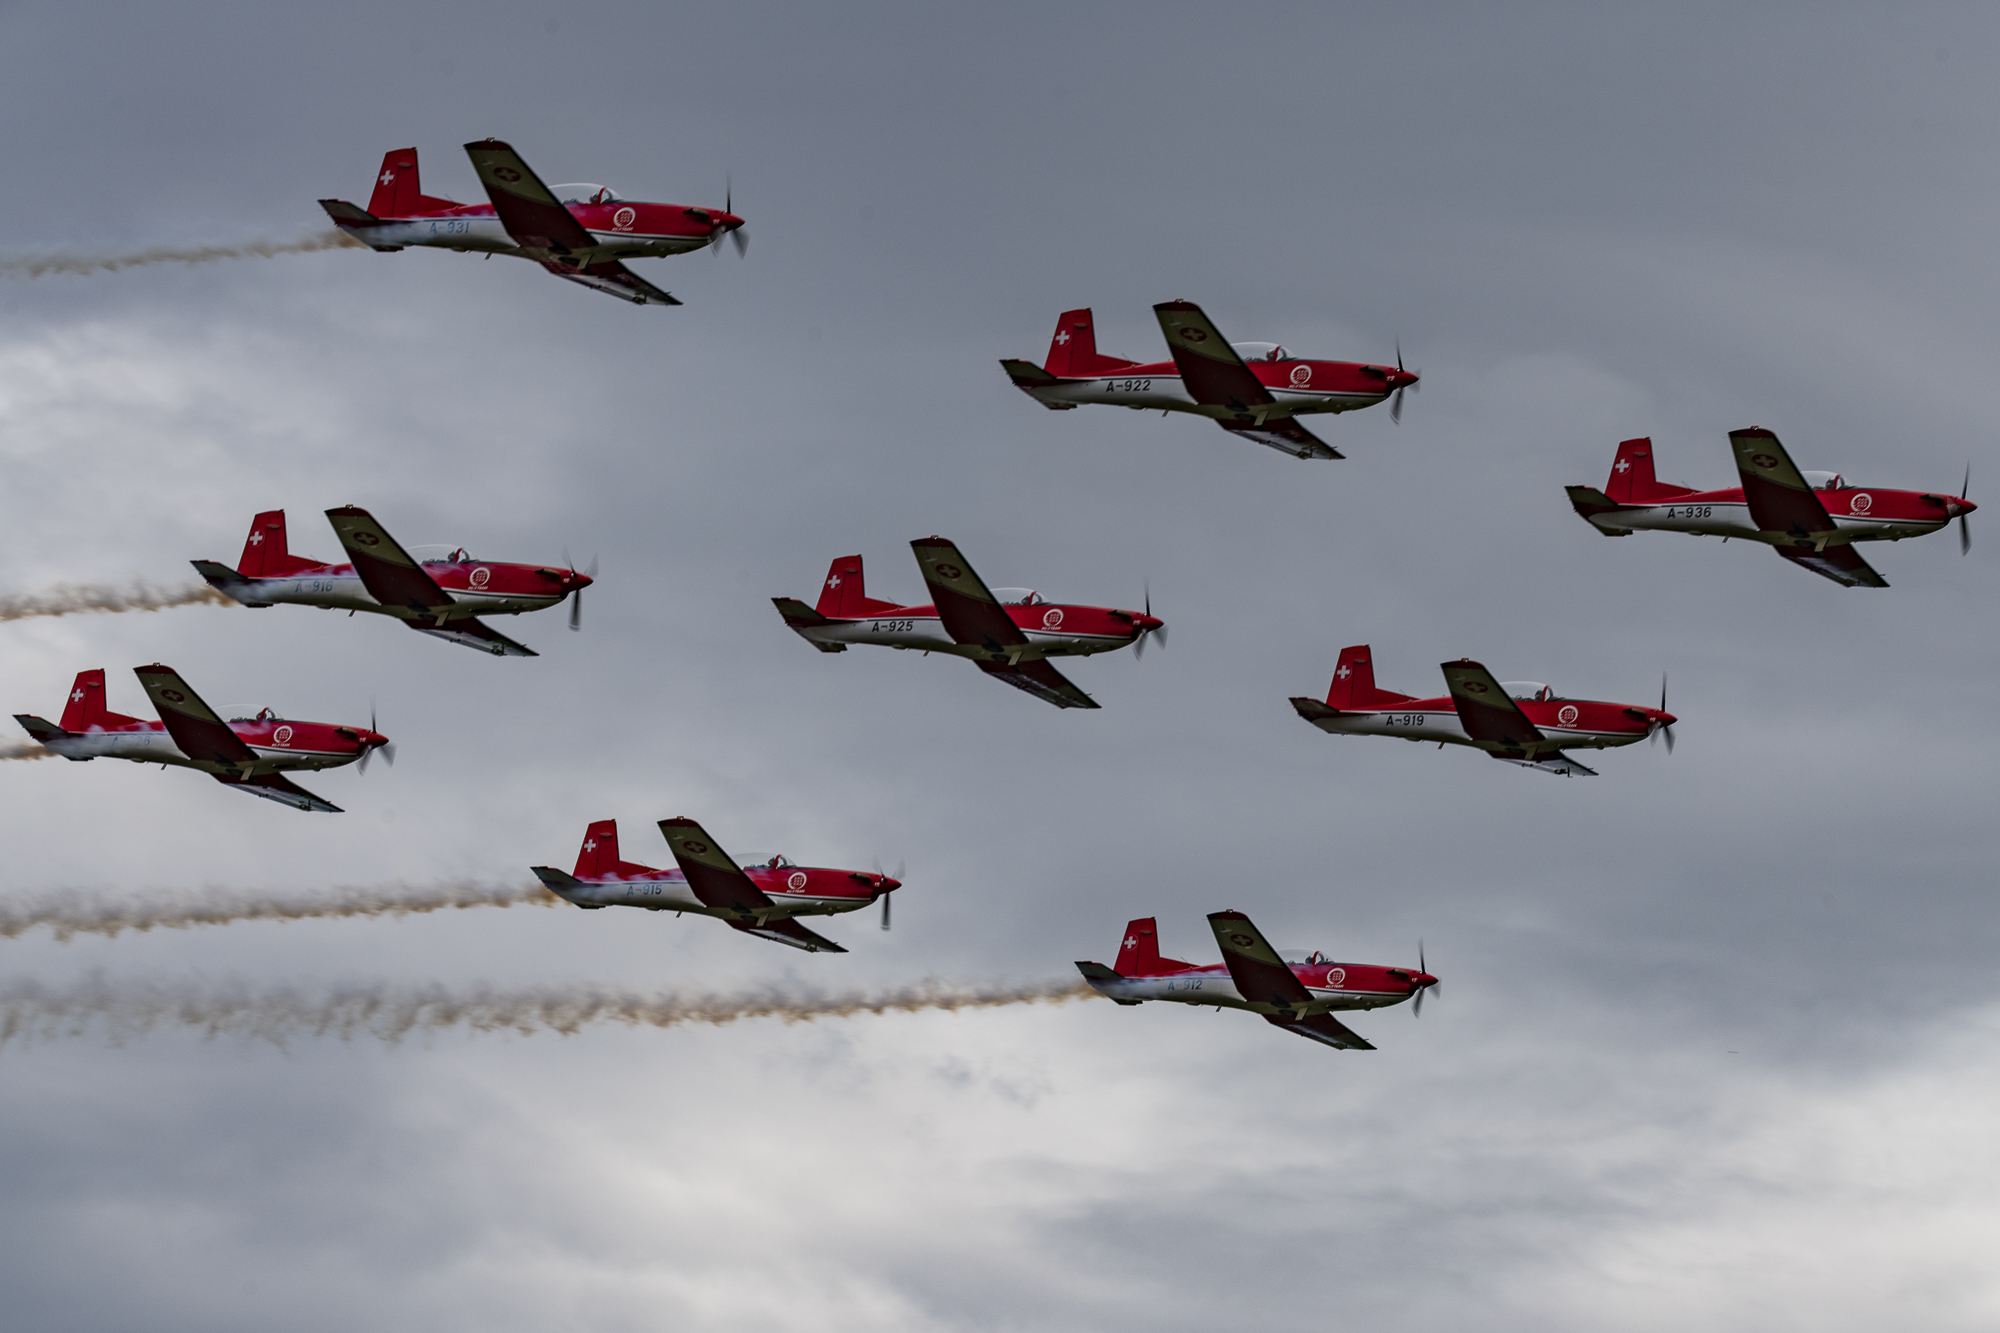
[(1139, 644), (879, 877), (736, 233), (1653, 733), (1396, 407), (1423, 969), (576, 595), (387, 747), (1964, 532)]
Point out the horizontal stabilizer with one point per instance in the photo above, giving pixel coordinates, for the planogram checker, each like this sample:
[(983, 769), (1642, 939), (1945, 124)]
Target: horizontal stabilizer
[(352, 214), (1028, 375), (276, 787), (789, 932), (1312, 710), (40, 728), (1588, 502), (556, 881), (797, 612), (228, 582)]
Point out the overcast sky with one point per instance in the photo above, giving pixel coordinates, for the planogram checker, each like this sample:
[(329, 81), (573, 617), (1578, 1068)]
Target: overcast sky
[(1717, 1040)]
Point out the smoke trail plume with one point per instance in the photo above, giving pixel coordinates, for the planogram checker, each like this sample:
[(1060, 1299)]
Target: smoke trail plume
[(24, 750), (43, 265), (68, 599), (70, 914), (30, 1012)]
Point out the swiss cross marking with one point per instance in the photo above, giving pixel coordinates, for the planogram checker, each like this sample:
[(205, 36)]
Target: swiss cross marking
[(590, 846), (256, 539), (1342, 671), (77, 696), (1063, 337), (1622, 465), (388, 176), (1131, 941), (833, 582)]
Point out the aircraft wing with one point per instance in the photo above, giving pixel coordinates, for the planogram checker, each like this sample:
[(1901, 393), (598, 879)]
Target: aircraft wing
[(1285, 435), (276, 787), (1211, 370), (1035, 676), (391, 576), (1548, 761), (195, 728), (613, 279), (1780, 500), (1260, 975), (532, 215), (970, 613), (474, 633), (1484, 709), (1841, 563), (712, 877), (787, 931), (1323, 1028)]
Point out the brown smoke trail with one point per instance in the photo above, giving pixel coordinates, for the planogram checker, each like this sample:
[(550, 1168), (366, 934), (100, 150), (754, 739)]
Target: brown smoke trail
[(71, 914), (68, 599), (24, 750), (30, 1012), (43, 265)]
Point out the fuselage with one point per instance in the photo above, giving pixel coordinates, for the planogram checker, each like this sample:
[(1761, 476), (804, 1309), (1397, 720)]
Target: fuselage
[(795, 890), (620, 229), (1052, 630), (1858, 515), (1299, 388), (280, 744), (476, 587), (1569, 723), (1332, 986)]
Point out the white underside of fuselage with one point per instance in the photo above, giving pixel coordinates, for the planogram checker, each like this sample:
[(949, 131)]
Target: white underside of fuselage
[(1166, 393), (156, 747), (349, 594), (673, 895), (486, 234), (1445, 727), (1217, 989), (927, 634), (1733, 520)]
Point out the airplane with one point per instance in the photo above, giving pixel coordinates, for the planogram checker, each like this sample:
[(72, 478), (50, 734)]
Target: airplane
[(248, 754), (577, 232), (442, 598), (1009, 633), (1296, 994), (1255, 390), (762, 900), (1810, 517), (1521, 721)]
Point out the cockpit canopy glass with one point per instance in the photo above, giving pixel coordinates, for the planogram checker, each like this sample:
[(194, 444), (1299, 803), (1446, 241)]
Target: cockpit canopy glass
[(1824, 481), (1261, 352), (438, 553), (1528, 689), (584, 193), (1307, 957), (770, 863), (1017, 596)]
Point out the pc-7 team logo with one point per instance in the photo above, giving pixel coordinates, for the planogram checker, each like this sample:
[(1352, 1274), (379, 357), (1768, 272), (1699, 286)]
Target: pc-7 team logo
[(1860, 503), (481, 577), (1052, 618), (1301, 376), (796, 881), (624, 218), (1336, 977), (282, 736), (1567, 715)]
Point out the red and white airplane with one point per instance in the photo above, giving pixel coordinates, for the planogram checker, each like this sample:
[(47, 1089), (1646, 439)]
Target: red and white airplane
[(760, 900), (441, 597), (578, 232), (1255, 390), (1009, 633), (1810, 517), (1296, 994), (1521, 721), (250, 754)]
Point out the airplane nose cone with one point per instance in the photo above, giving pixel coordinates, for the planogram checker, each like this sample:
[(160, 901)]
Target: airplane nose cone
[(1422, 981), (579, 581), (1403, 379), (888, 885), (1965, 506), (1142, 624), (1665, 719)]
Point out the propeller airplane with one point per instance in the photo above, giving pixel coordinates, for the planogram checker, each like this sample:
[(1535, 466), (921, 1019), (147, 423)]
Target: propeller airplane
[(1522, 722), (1009, 633), (249, 754), (577, 232), (1811, 518), (762, 900), (442, 597), (1298, 994), (1255, 390)]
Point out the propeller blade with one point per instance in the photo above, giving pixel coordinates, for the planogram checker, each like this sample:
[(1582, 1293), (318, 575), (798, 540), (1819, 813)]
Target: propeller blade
[(1396, 408), (1399, 353), (1964, 536), (576, 610), (1417, 1009), (366, 755), (885, 910), (1670, 738), (898, 876), (742, 240)]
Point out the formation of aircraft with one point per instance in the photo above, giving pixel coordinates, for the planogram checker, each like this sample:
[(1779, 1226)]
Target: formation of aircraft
[(443, 598), (1811, 518), (763, 900), (1296, 994), (581, 232), (1523, 722), (1009, 633), (247, 754), (1254, 390)]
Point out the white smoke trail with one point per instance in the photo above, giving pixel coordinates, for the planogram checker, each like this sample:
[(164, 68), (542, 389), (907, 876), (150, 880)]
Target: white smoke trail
[(68, 599), (42, 265), (31, 1012), (24, 750), (70, 914)]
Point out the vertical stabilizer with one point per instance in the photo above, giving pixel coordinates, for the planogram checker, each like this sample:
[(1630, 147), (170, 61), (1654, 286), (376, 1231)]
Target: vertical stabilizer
[(841, 594), (598, 857), (85, 708), (1632, 480), (1354, 681), (396, 189), (265, 555), (1139, 954), (1073, 349)]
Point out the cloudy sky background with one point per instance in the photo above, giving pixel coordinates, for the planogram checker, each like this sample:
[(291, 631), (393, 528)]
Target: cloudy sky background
[(1717, 1041)]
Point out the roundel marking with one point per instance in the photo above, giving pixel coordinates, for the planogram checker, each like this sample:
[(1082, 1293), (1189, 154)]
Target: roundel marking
[(693, 848), (1301, 376), (1475, 687), (173, 696), (366, 539), (282, 736), (1861, 503), (1242, 941), (1567, 716), (506, 174), (1336, 976), (949, 571), (481, 577), (1052, 618), (796, 881), (1194, 335), (624, 218), (1763, 460)]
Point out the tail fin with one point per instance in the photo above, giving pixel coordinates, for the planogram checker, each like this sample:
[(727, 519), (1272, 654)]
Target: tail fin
[(264, 553), (598, 857), (1139, 955), (397, 192), (86, 709), (1632, 480), (1354, 682), (1073, 350), (843, 594)]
